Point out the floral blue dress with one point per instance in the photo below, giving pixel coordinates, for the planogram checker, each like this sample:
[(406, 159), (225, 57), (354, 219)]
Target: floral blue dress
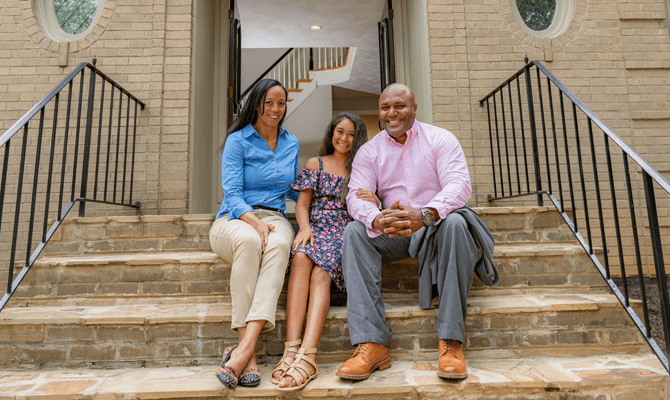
[(328, 217)]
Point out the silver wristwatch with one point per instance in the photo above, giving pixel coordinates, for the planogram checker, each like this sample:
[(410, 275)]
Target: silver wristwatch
[(427, 217)]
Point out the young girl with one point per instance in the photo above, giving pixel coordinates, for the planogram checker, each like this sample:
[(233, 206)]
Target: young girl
[(322, 215)]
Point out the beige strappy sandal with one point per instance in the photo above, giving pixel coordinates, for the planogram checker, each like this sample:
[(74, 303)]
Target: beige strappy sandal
[(298, 371), (285, 363)]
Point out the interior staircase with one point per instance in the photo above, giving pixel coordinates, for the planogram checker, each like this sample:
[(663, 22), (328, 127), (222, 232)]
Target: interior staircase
[(139, 308), (302, 70)]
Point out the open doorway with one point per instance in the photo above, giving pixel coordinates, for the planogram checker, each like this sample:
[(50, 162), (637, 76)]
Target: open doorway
[(268, 30)]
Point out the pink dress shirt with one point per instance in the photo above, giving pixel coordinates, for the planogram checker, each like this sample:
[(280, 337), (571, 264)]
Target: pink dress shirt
[(429, 170)]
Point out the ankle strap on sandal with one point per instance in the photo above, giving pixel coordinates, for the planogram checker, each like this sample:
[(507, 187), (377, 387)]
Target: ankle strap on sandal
[(303, 350), (291, 345), (296, 342), (301, 356)]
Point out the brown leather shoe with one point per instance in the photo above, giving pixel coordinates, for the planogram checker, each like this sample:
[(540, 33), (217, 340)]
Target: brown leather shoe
[(366, 358), (452, 360)]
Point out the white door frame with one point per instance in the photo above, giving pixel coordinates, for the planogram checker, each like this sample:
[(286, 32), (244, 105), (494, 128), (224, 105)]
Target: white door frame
[(209, 100)]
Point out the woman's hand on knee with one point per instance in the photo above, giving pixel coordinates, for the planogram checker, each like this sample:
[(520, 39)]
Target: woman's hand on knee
[(304, 236), (263, 230)]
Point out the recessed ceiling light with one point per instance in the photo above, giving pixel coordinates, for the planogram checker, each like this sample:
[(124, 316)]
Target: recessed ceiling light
[(315, 27)]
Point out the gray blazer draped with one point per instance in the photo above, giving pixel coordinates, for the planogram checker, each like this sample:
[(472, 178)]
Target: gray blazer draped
[(422, 247)]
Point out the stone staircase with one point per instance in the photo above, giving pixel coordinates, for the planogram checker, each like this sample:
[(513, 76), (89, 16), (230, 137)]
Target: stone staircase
[(139, 307)]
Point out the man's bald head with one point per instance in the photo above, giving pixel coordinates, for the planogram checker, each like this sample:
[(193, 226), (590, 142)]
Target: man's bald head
[(399, 87)]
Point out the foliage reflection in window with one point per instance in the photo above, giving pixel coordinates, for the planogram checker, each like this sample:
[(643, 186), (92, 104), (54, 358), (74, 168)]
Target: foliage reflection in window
[(537, 14), (75, 16)]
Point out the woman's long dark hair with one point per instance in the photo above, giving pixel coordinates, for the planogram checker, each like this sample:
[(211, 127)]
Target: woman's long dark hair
[(360, 137), (255, 105)]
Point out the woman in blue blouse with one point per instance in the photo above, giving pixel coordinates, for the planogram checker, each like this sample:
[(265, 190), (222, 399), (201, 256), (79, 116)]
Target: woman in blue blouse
[(259, 163)]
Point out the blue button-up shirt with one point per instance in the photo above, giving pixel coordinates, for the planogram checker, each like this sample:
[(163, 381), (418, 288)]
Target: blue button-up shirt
[(252, 174)]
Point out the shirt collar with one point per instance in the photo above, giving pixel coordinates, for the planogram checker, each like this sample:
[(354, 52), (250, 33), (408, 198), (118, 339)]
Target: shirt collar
[(249, 130), (411, 133)]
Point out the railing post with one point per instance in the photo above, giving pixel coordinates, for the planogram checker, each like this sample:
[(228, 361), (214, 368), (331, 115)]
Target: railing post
[(657, 249), (87, 140), (533, 133)]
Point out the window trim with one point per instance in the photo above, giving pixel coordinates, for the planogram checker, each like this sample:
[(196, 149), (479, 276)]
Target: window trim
[(51, 28)]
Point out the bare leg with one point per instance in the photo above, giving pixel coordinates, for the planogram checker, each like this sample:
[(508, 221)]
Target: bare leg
[(319, 301), (244, 353), (241, 332), (296, 305)]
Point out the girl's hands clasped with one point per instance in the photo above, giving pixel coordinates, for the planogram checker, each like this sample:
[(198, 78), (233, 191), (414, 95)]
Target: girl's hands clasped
[(304, 236)]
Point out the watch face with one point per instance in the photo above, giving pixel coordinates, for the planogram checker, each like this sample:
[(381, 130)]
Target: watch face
[(427, 218)]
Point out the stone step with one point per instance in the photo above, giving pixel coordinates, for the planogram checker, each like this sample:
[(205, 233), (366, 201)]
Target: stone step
[(191, 232), (146, 274), (612, 376), (194, 333), (151, 274), (90, 235)]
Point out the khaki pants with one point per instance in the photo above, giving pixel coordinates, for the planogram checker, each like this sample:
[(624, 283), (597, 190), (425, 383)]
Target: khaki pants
[(256, 278)]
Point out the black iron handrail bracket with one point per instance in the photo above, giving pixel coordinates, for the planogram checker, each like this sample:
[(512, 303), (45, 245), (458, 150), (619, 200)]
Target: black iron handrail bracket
[(22, 126), (649, 176)]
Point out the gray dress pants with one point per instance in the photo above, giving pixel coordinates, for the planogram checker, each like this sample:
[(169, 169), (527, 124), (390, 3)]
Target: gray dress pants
[(362, 259)]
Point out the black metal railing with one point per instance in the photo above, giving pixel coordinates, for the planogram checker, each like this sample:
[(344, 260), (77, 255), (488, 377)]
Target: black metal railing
[(546, 142), (95, 150)]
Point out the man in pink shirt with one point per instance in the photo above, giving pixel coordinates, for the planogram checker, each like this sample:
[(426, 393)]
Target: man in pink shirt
[(420, 174)]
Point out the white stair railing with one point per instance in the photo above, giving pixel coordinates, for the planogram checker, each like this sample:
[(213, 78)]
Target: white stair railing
[(297, 64)]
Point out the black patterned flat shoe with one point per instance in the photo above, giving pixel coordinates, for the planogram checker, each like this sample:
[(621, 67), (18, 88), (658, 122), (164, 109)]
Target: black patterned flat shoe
[(250, 377), (227, 376)]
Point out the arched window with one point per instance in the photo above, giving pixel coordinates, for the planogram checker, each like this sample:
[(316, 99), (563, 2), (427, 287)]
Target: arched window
[(537, 14), (68, 20), (75, 16), (542, 18)]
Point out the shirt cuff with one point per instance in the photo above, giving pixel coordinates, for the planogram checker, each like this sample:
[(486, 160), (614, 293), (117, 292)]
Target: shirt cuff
[(372, 232), (237, 212), (441, 210)]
